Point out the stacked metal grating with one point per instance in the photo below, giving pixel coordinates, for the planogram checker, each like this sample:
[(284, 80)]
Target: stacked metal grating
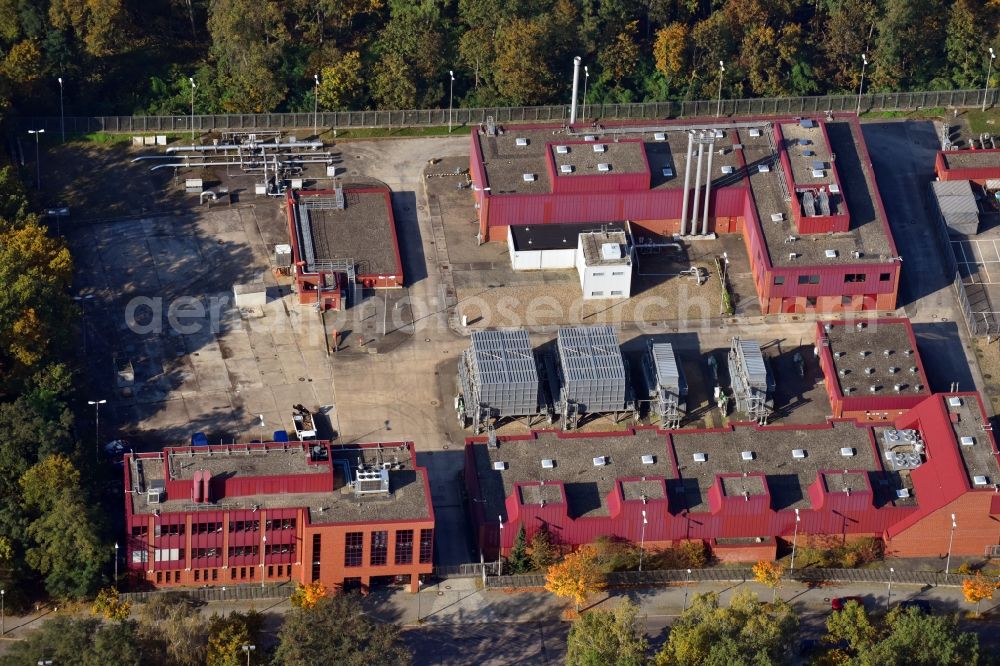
[(592, 370), (498, 376), (666, 384), (753, 386)]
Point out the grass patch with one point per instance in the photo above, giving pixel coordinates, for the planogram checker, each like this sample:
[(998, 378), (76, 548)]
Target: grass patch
[(983, 122), (915, 113), (384, 132)]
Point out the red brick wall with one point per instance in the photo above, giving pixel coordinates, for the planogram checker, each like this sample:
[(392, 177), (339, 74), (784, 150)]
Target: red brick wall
[(976, 529)]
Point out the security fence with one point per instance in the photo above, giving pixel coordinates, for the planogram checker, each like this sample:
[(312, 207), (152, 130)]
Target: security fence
[(457, 117), (219, 593), (728, 575)]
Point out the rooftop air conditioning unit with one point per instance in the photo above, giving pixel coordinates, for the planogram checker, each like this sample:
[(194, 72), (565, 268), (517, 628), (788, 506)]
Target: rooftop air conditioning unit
[(719, 134), (600, 148), (700, 457), (754, 132), (798, 453), (659, 136), (499, 465), (726, 169), (521, 141), (763, 168), (604, 167), (792, 256), (548, 463), (818, 173), (746, 455), (980, 481), (648, 459), (777, 217), (968, 441), (562, 150), (954, 401), (847, 452), (668, 172), (566, 168), (834, 188), (600, 461), (831, 254), (590, 137), (902, 493), (529, 177)]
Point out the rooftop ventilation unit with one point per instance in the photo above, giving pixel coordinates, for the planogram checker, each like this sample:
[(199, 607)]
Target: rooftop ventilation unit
[(590, 137), (838, 354), (898, 387), (719, 134), (700, 457), (600, 461), (529, 177), (521, 141), (747, 455), (918, 387), (600, 148), (754, 132), (818, 165), (763, 168), (648, 459), (726, 169), (777, 217), (611, 251), (830, 254), (847, 452), (804, 142), (869, 371), (562, 150), (798, 453), (843, 372), (864, 353), (808, 153), (968, 441), (893, 370), (913, 370), (604, 167), (566, 168), (860, 326), (792, 256), (808, 123), (902, 493), (156, 495), (857, 254), (818, 173), (954, 401), (887, 353), (908, 352), (548, 463), (874, 388), (834, 188), (668, 172), (499, 465), (980, 481), (659, 136)]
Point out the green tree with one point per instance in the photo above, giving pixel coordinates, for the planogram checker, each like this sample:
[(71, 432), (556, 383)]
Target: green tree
[(747, 632), (393, 86), (543, 553), (909, 52), (605, 637), (173, 626), (964, 43), (341, 83), (521, 69), (227, 634), (337, 631), (247, 40), (98, 25), (518, 562), (80, 641), (670, 49)]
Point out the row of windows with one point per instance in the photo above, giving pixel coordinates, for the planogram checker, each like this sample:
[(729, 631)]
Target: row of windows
[(240, 551), (243, 551), (379, 554), (236, 573), (848, 277), (614, 292), (614, 273), (210, 527)]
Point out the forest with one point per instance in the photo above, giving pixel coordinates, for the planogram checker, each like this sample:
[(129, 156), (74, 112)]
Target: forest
[(130, 57)]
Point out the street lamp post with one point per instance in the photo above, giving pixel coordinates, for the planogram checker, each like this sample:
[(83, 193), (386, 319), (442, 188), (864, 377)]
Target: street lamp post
[(261, 428), (116, 565), (499, 544), (718, 107), (193, 86), (451, 95), (888, 595), (795, 538), (82, 300), (62, 115), (38, 161), (989, 70), (3, 613), (586, 79), (316, 106), (686, 588), (247, 649), (951, 540), (419, 585), (642, 538), (864, 63), (97, 426)]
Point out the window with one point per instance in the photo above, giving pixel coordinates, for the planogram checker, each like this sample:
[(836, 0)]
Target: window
[(232, 573), (779, 280), (140, 556), (353, 545), (159, 577), (197, 575), (599, 274), (855, 277), (810, 301), (280, 524), (140, 530), (597, 293), (426, 546), (616, 293), (244, 526), (243, 573), (317, 548), (618, 273), (404, 546), (166, 554), (281, 570), (215, 574), (270, 571), (202, 553), (279, 549), (250, 571), (206, 528), (883, 277), (243, 551), (846, 300), (168, 530), (808, 279), (380, 548)]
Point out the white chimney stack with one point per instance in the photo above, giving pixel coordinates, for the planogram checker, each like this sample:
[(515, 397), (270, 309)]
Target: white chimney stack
[(576, 87)]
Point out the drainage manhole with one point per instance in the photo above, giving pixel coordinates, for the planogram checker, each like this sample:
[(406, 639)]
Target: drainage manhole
[(302, 379), (427, 339), (434, 403)]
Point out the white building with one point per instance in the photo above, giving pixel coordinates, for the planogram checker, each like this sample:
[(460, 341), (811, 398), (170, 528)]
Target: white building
[(536, 247), (604, 261)]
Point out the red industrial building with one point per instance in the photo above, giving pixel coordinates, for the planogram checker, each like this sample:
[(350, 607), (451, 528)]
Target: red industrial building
[(340, 238), (872, 369), (348, 516), (975, 165), (801, 191), (742, 489)]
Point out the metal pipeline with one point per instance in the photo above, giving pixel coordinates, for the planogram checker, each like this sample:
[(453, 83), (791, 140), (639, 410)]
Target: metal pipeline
[(576, 85), (238, 146), (236, 156), (708, 186), (687, 183), (697, 184), (250, 165)]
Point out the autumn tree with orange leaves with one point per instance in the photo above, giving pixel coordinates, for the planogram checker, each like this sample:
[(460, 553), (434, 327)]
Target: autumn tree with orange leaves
[(770, 574), (307, 596), (576, 576), (977, 589)]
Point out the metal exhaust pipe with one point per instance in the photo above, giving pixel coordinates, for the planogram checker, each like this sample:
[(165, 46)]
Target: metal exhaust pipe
[(687, 183), (697, 184), (576, 88), (708, 186)]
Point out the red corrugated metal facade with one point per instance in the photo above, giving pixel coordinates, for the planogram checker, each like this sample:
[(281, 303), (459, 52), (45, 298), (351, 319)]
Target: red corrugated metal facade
[(938, 482), (612, 181)]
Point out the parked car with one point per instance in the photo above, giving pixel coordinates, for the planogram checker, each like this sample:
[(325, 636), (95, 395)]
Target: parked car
[(199, 439), (115, 450), (922, 605), (838, 603)]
